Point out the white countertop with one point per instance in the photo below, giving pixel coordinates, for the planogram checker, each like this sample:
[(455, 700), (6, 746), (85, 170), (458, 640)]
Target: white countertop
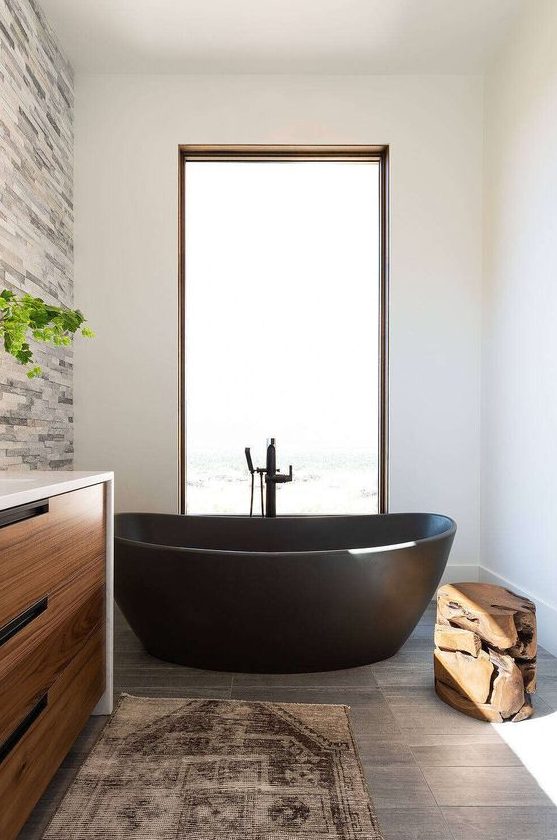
[(19, 488)]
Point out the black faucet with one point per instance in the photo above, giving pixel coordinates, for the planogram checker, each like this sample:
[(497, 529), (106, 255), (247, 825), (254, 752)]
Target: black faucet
[(272, 478)]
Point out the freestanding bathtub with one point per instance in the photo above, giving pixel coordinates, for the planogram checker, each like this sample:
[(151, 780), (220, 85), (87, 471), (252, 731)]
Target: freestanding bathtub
[(277, 595)]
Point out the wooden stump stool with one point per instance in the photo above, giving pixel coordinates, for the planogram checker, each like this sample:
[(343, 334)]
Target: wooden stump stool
[(485, 651)]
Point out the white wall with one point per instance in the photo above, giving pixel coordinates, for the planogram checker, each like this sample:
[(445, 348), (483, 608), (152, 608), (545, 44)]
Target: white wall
[(127, 132), (519, 463)]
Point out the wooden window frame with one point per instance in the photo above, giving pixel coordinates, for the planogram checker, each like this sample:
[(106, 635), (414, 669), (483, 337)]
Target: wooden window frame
[(378, 154)]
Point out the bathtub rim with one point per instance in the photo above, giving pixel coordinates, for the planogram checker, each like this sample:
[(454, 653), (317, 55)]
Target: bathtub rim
[(408, 545)]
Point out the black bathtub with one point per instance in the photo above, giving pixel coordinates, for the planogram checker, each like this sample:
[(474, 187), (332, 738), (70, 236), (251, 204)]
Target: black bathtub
[(277, 595)]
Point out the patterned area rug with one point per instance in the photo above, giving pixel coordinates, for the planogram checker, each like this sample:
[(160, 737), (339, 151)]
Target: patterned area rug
[(214, 769)]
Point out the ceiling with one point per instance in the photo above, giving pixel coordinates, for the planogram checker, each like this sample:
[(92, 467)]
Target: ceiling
[(281, 36)]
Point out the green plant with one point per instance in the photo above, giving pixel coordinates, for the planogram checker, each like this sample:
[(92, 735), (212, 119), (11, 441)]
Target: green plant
[(24, 316)]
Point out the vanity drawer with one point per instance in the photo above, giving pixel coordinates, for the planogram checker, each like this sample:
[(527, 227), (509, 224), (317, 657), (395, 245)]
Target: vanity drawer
[(30, 665), (37, 553), (28, 762)]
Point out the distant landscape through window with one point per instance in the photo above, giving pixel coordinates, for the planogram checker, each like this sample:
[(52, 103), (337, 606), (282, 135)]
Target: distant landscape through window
[(282, 332)]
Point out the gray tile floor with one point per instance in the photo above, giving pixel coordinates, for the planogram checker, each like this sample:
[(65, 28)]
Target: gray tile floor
[(433, 774)]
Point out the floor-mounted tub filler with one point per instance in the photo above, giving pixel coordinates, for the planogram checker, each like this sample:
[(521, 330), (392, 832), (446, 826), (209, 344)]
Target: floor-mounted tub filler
[(285, 594)]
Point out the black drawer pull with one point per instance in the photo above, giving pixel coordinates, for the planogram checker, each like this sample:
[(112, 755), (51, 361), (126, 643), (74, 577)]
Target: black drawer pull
[(22, 620), (26, 724), (21, 512)]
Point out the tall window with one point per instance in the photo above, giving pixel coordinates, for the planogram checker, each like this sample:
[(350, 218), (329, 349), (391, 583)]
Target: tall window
[(283, 329)]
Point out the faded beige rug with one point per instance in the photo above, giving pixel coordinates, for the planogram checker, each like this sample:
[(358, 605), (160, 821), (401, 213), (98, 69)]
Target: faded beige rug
[(215, 769)]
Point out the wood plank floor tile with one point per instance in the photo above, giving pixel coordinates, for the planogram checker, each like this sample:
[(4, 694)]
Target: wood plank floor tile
[(463, 751), (525, 823), (381, 751), (398, 785), (419, 710), (157, 673), (511, 787), (374, 721), (404, 676), (414, 824), (547, 691), (349, 678)]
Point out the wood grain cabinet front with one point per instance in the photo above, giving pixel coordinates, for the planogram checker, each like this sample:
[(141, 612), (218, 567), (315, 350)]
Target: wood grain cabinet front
[(33, 663), (54, 539), (52, 639), (37, 749)]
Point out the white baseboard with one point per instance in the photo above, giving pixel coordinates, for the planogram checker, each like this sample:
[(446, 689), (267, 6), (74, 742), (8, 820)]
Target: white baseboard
[(546, 614), (459, 573)]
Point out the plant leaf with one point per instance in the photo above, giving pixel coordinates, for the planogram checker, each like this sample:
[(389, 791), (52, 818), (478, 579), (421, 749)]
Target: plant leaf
[(26, 316)]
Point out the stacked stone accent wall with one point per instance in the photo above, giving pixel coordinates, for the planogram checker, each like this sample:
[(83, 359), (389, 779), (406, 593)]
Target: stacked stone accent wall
[(36, 224)]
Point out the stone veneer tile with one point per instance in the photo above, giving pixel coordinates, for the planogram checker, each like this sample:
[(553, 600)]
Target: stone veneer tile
[(36, 229)]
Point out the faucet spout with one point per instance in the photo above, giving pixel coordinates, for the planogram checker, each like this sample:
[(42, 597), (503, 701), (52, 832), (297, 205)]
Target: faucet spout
[(272, 478)]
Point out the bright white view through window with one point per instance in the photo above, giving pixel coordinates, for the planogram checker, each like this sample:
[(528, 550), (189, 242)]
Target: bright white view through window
[(281, 331)]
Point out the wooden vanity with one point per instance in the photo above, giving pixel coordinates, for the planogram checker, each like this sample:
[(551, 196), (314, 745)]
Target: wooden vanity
[(55, 626)]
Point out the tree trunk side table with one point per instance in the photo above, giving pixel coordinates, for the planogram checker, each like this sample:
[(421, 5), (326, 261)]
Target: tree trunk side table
[(485, 651)]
